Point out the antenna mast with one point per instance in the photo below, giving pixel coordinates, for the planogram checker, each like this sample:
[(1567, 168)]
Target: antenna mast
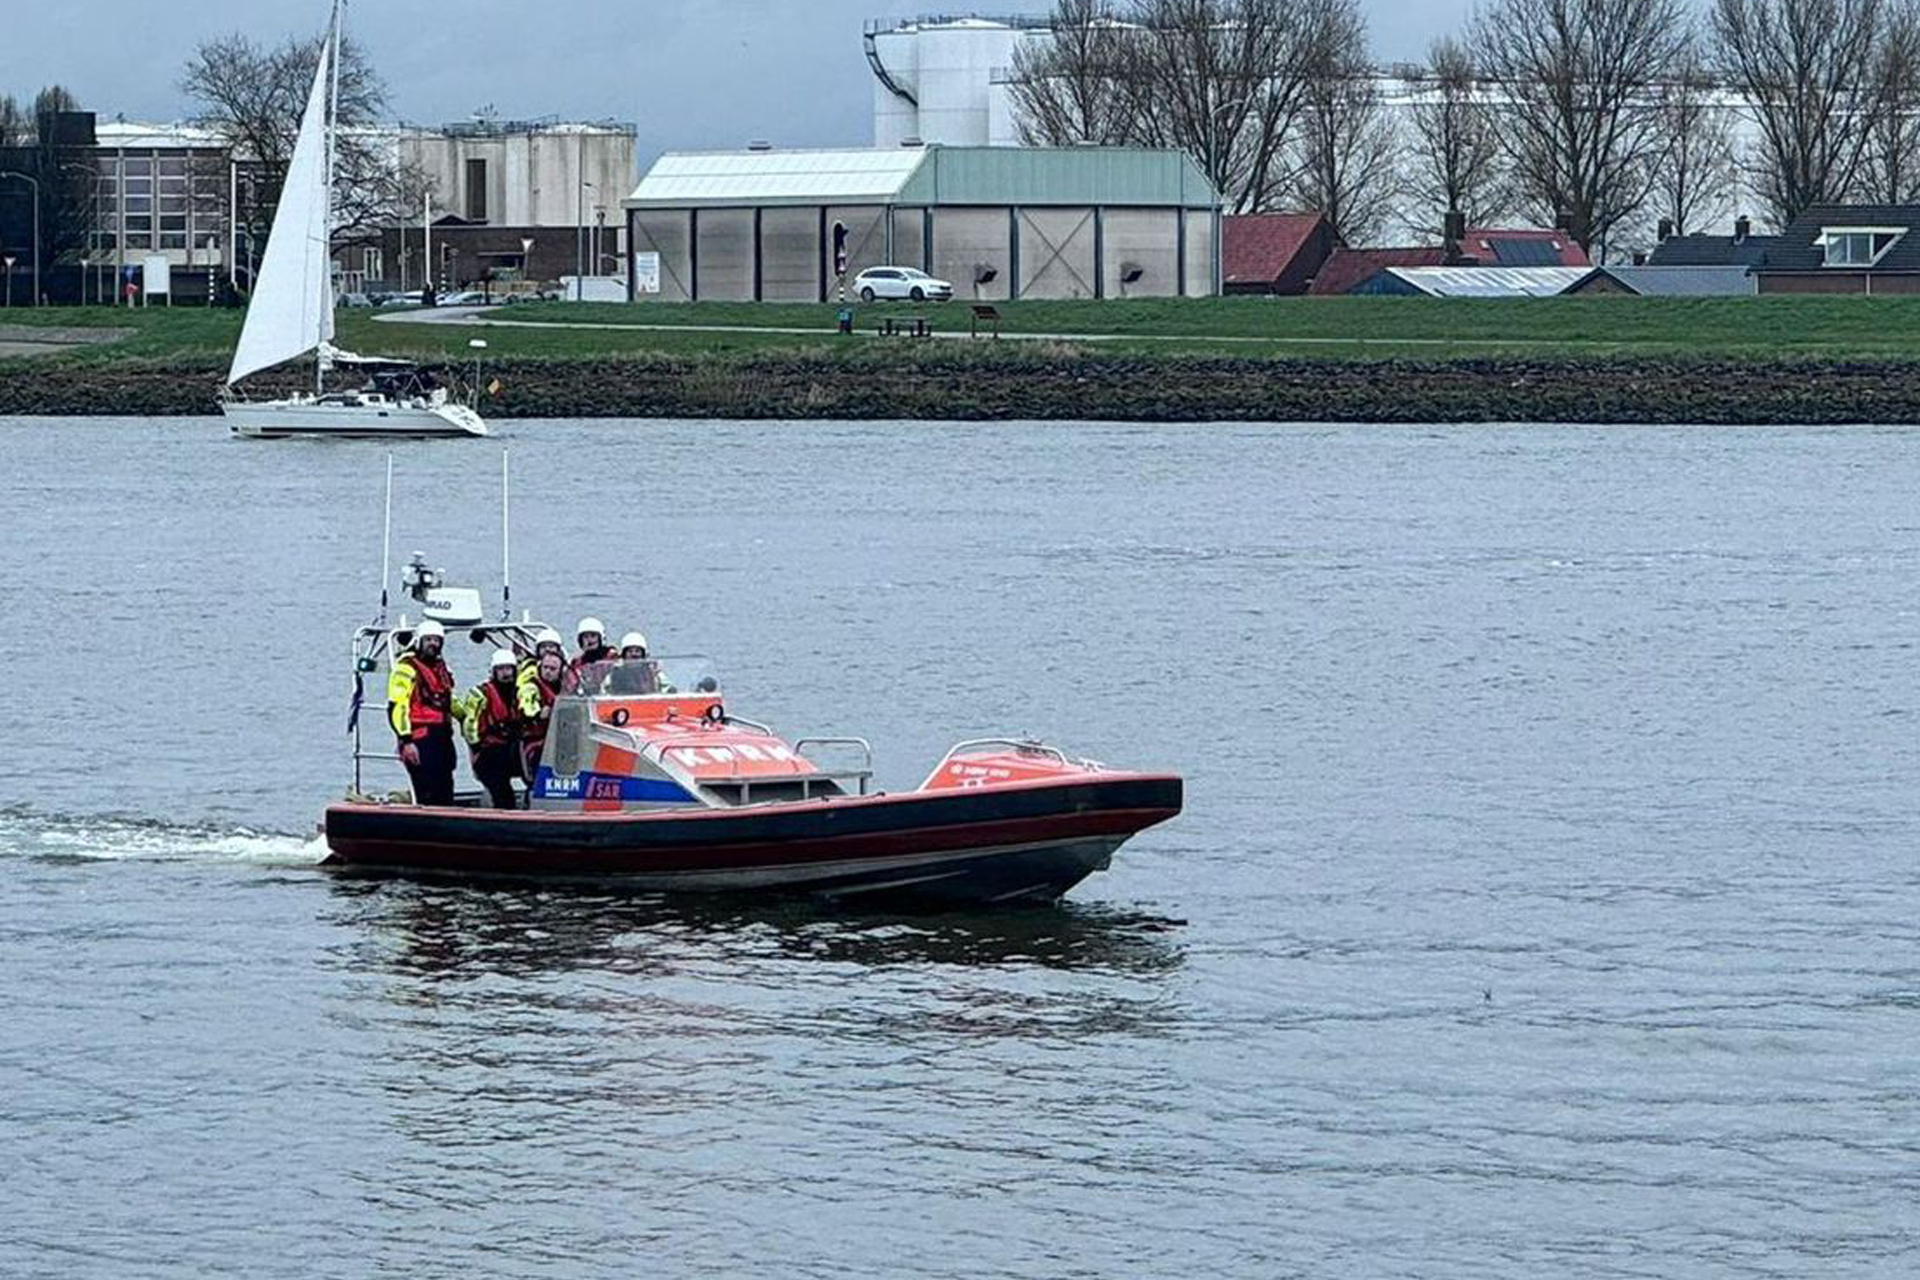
[(386, 546), (506, 543)]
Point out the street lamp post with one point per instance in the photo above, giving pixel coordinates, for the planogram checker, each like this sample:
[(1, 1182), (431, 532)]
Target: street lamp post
[(8, 262), (526, 259), (27, 177), (580, 211), (580, 239), (84, 273)]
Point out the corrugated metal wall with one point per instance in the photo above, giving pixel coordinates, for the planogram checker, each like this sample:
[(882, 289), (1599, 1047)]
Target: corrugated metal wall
[(1146, 240), (723, 245), (790, 255), (970, 243), (664, 231), (1057, 253)]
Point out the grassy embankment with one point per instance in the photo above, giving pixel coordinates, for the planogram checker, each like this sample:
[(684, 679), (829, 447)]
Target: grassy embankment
[(1602, 359), (1423, 328)]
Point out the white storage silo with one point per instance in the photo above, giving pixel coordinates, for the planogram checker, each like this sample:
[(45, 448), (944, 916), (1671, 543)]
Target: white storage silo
[(893, 55), (955, 63)]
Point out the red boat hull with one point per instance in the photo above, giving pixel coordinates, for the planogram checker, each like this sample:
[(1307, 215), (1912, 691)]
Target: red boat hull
[(1010, 842)]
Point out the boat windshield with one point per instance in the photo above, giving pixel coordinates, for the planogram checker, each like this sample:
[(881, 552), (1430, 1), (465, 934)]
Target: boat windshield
[(639, 677)]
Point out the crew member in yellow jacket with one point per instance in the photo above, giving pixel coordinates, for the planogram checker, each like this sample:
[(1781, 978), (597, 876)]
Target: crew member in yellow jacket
[(420, 708)]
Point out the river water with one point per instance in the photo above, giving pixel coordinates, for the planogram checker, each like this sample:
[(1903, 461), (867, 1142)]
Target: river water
[(1546, 901)]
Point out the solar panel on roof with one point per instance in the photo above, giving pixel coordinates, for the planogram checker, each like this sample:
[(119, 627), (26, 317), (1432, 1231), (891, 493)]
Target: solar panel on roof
[(1524, 253)]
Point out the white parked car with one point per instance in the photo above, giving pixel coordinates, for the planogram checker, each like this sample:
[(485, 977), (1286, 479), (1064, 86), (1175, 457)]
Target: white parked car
[(900, 282)]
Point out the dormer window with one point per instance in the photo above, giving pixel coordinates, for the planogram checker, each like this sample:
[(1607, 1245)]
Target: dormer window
[(1858, 246)]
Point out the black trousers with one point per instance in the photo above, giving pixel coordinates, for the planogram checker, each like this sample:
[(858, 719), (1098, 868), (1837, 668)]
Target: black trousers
[(497, 767), (433, 776)]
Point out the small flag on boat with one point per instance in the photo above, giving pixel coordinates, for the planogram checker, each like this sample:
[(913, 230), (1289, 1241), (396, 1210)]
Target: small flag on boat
[(493, 388)]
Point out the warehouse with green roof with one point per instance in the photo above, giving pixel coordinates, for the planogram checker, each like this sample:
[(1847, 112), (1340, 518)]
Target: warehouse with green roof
[(999, 222)]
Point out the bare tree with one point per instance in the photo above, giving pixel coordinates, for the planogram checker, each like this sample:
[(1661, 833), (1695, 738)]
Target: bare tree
[(1815, 77), (1345, 166), (1077, 85), (1223, 80), (1890, 165), (253, 97), (1227, 82), (1696, 171), (1581, 129), (1456, 136)]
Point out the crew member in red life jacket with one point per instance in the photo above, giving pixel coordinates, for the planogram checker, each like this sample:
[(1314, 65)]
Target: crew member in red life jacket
[(420, 709), (490, 718), (539, 685), (592, 636)]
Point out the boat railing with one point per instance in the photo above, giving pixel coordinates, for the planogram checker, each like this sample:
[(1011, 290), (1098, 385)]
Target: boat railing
[(1025, 746), (864, 774)]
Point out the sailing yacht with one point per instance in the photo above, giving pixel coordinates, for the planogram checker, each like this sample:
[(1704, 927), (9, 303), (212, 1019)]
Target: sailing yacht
[(291, 312)]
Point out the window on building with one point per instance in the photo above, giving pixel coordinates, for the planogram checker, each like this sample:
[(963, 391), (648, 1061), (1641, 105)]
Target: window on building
[(370, 263), (1858, 246), (476, 191)]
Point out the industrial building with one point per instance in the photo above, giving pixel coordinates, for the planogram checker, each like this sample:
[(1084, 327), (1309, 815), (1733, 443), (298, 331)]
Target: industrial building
[(511, 200), (998, 222), (514, 200)]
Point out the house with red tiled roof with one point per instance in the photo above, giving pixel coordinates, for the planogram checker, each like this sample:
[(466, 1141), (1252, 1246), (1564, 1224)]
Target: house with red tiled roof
[(1274, 252), (1348, 269), (1520, 247)]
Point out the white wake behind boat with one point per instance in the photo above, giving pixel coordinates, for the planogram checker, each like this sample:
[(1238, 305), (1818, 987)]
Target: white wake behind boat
[(291, 313)]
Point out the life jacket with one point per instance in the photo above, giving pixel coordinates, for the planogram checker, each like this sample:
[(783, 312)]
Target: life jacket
[(533, 729), (432, 692), (498, 717)]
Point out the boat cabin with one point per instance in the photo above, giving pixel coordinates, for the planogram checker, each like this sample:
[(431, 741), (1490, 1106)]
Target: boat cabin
[(624, 735)]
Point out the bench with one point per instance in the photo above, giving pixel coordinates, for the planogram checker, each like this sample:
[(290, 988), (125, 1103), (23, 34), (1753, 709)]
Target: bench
[(987, 312), (900, 326)]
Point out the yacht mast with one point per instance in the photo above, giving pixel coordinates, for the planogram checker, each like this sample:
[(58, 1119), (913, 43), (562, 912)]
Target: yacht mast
[(326, 204)]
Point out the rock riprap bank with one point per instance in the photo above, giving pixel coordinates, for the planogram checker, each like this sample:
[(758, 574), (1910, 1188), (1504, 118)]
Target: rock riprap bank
[(1043, 382)]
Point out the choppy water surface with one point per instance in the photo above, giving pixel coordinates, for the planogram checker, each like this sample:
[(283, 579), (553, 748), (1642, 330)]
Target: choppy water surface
[(1546, 904)]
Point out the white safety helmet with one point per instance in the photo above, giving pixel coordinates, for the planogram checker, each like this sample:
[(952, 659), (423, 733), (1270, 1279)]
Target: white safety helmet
[(594, 625), (429, 628), (503, 658), (547, 635), (632, 640)]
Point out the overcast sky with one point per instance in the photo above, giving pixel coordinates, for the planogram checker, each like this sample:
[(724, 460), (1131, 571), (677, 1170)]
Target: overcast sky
[(690, 73)]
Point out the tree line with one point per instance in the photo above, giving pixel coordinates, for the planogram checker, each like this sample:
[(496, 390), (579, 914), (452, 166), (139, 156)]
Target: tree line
[(1592, 115)]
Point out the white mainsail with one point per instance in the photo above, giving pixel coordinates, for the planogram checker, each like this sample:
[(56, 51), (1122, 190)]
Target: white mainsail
[(291, 311)]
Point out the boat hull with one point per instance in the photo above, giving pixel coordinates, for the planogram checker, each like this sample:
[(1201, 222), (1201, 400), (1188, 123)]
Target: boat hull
[(284, 419), (1018, 842)]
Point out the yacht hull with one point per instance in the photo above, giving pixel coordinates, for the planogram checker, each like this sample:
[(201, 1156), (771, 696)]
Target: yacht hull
[(284, 419)]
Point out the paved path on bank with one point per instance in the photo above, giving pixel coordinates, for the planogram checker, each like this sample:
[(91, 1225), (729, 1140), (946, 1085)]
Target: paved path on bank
[(488, 316), (51, 340)]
